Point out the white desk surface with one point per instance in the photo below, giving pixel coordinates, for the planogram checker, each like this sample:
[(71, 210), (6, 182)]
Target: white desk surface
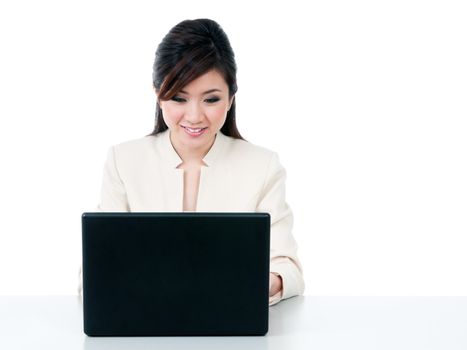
[(312, 323)]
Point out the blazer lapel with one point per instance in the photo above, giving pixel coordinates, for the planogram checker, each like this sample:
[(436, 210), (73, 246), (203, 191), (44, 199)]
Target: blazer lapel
[(210, 185), (172, 178)]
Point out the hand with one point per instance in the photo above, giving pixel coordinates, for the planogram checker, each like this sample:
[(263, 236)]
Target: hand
[(275, 283)]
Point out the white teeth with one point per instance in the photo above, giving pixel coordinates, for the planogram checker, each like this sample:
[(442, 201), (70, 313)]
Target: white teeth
[(193, 130)]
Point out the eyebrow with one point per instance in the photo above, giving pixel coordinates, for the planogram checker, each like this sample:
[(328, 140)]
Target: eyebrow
[(204, 93)]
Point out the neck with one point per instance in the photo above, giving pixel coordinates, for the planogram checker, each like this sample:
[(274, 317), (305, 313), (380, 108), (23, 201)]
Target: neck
[(189, 154)]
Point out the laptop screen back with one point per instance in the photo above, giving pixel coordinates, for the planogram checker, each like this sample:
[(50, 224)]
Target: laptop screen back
[(175, 273)]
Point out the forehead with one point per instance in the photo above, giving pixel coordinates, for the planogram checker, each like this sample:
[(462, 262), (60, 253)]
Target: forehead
[(208, 81)]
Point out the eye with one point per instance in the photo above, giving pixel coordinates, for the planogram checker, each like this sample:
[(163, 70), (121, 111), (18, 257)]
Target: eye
[(178, 99), (212, 100)]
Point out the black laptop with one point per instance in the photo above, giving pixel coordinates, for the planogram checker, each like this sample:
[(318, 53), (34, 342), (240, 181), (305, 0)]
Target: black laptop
[(171, 274)]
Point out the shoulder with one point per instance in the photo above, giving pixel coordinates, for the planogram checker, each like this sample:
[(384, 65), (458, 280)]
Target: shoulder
[(129, 151), (249, 153), (136, 144)]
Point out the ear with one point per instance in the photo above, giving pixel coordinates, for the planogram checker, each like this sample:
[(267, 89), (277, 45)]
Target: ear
[(157, 94), (231, 101)]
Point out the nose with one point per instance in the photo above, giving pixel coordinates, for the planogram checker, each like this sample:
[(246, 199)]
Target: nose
[(194, 113)]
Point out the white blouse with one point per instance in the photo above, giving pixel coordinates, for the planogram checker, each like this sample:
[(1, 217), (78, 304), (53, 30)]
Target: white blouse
[(141, 175)]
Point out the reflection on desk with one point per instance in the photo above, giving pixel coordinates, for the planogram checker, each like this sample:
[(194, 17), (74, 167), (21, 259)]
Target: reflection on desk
[(304, 322)]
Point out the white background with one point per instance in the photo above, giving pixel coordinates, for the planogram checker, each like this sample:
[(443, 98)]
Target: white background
[(365, 102)]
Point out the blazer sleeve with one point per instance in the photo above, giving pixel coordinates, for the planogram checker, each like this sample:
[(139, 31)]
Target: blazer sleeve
[(113, 193), (283, 254), (113, 197)]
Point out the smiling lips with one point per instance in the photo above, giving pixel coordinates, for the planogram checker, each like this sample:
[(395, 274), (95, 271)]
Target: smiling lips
[(194, 132)]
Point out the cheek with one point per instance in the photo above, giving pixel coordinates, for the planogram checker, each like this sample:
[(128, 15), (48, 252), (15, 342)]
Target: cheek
[(217, 114), (172, 114)]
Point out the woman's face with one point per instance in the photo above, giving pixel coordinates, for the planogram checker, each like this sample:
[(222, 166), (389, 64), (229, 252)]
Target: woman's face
[(198, 111)]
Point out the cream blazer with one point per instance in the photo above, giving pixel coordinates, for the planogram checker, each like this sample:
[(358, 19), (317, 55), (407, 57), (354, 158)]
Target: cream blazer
[(141, 175)]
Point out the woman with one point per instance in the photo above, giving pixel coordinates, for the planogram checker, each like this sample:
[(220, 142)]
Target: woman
[(196, 159)]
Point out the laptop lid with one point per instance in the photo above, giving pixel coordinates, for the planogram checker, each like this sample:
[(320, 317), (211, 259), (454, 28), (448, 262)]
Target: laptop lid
[(173, 274)]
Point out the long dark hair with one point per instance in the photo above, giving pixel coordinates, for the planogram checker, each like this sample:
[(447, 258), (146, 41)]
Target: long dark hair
[(189, 50)]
